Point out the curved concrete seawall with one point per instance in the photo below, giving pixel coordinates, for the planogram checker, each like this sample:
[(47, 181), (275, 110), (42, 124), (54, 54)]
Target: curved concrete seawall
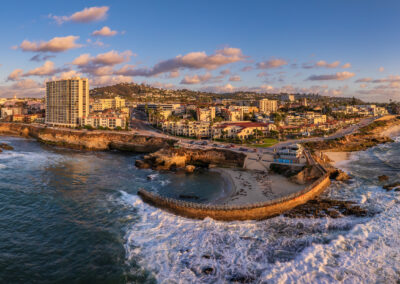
[(256, 211), (87, 140)]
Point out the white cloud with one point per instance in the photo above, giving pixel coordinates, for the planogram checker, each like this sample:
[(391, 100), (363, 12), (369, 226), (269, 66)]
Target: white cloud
[(364, 80), (46, 69), (235, 78), (104, 31), (225, 72), (57, 44), (272, 63), (381, 69), (337, 76), (22, 89), (173, 74), (193, 60), (15, 75), (325, 64), (346, 65), (196, 79), (87, 15), (108, 80), (102, 63)]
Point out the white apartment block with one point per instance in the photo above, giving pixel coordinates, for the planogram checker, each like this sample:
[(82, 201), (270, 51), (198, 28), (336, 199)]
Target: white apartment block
[(267, 106), (67, 102), (103, 104), (205, 114), (104, 121), (187, 128)]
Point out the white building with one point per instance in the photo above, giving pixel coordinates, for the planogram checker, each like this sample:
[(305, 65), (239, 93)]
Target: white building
[(67, 101), (106, 121), (205, 114), (267, 106)]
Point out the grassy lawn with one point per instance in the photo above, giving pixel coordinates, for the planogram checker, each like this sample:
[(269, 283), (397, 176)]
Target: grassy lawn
[(268, 142)]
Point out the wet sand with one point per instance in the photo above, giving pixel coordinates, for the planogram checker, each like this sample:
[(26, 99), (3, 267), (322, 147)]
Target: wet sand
[(338, 157), (246, 186)]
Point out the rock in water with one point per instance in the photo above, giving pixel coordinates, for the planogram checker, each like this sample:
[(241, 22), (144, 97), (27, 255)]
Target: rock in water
[(392, 186), (383, 178), (5, 146), (190, 168), (339, 175), (142, 164)]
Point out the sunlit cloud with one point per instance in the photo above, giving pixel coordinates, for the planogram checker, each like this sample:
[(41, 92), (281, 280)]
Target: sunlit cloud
[(45, 70), (101, 64), (15, 75), (57, 44), (346, 65), (246, 69), (193, 60), (104, 31), (235, 78), (196, 79), (40, 57), (337, 76), (87, 15), (272, 63)]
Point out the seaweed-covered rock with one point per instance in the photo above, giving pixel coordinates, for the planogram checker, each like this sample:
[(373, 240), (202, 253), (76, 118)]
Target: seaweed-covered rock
[(383, 178), (321, 207), (5, 146), (392, 186)]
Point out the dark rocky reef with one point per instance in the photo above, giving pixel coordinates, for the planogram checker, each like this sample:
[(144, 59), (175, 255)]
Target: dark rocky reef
[(4, 146), (296, 174), (322, 207), (393, 186)]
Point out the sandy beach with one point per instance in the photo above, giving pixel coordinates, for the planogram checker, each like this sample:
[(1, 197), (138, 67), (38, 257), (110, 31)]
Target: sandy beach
[(392, 132), (338, 157), (246, 186)]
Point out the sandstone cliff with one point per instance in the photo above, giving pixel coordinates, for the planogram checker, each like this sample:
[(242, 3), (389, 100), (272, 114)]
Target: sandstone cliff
[(171, 158), (366, 137), (87, 140)]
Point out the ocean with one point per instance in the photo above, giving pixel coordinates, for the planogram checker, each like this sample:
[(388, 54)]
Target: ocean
[(70, 216)]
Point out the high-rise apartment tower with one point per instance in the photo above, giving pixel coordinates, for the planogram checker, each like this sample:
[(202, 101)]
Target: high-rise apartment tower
[(67, 101)]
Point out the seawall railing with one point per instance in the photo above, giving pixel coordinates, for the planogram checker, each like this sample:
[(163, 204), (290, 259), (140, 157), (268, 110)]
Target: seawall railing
[(258, 210)]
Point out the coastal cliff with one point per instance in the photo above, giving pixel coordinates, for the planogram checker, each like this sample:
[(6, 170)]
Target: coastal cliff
[(172, 158), (87, 140), (366, 137)]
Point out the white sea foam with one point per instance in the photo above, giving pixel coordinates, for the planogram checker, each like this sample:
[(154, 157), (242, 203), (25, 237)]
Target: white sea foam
[(173, 247), (280, 250)]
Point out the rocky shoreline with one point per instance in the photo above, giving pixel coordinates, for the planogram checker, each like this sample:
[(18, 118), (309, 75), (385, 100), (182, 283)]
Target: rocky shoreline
[(87, 140), (164, 157), (334, 152), (171, 159)]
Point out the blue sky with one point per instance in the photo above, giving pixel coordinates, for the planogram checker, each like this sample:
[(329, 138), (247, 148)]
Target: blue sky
[(338, 48)]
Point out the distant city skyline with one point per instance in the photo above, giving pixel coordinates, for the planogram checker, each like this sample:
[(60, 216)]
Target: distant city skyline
[(335, 48)]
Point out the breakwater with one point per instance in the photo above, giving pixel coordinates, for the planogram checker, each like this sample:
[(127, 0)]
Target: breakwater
[(87, 140), (254, 211)]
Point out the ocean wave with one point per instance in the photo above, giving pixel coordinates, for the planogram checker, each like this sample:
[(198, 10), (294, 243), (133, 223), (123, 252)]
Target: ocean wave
[(210, 251)]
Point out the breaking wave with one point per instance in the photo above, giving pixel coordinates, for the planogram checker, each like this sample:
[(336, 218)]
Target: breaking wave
[(280, 249)]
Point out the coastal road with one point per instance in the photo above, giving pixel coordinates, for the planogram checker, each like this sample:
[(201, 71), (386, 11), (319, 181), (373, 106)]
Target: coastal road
[(340, 133)]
